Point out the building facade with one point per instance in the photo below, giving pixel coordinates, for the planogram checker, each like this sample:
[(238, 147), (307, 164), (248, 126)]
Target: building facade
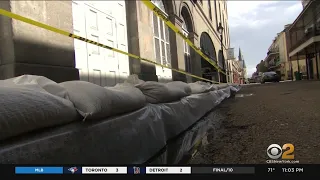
[(235, 71), (304, 37), (126, 25), (234, 67), (243, 67), (305, 2), (276, 58)]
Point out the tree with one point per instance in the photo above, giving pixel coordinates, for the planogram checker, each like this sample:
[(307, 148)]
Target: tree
[(262, 67)]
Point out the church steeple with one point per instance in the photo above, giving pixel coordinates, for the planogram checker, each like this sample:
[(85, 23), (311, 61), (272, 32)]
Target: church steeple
[(240, 55), (241, 59)]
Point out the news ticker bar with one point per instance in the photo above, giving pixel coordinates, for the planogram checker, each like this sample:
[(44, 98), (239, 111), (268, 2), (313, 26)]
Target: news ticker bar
[(134, 170), (254, 169)]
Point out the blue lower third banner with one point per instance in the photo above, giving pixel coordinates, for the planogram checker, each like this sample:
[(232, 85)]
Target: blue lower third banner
[(39, 170)]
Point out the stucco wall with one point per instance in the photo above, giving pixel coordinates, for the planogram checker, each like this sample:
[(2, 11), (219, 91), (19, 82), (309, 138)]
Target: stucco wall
[(33, 50), (282, 47), (302, 64)]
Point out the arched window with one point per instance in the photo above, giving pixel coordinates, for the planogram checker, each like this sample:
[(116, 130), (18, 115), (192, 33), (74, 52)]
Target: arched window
[(207, 46), (161, 36), (186, 48)]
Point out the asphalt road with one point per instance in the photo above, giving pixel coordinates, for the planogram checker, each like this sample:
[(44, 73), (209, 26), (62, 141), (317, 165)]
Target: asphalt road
[(264, 114)]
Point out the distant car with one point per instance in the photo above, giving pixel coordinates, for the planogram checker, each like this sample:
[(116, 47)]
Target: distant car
[(257, 78), (270, 77), (252, 80)]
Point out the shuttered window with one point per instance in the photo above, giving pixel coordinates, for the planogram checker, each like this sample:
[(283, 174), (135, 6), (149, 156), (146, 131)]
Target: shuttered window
[(186, 49), (161, 37)]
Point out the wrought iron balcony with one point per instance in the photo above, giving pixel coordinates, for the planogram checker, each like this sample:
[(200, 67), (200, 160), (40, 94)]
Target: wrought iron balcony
[(306, 26), (278, 62), (273, 50), (308, 33)]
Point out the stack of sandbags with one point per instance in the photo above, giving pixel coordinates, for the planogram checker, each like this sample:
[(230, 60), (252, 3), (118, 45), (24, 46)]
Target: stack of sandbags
[(29, 103), (156, 92), (96, 102), (201, 87)]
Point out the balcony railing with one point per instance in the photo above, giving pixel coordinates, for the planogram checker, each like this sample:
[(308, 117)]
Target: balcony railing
[(308, 33), (273, 50)]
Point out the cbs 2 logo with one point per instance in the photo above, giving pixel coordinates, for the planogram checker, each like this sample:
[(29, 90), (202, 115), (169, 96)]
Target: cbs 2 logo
[(274, 151)]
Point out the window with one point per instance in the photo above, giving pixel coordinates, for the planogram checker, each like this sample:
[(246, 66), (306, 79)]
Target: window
[(225, 35), (220, 12), (186, 49), (207, 46), (215, 12), (228, 36), (161, 37), (210, 13), (224, 30), (226, 6)]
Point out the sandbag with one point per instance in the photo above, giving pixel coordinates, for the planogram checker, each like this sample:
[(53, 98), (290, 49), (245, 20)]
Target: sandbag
[(92, 101), (222, 94), (126, 98), (134, 79), (157, 92), (24, 109), (222, 86), (178, 89), (234, 89), (43, 82), (201, 87), (154, 92)]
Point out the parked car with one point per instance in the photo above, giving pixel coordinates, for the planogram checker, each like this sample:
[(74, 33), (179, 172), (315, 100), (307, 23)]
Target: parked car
[(270, 77)]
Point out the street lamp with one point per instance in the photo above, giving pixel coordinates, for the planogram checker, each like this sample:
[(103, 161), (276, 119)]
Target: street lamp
[(220, 30)]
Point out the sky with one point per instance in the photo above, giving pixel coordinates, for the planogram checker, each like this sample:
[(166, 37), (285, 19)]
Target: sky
[(254, 24)]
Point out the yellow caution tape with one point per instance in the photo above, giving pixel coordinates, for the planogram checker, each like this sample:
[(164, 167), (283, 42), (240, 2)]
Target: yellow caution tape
[(160, 14), (195, 150), (65, 33)]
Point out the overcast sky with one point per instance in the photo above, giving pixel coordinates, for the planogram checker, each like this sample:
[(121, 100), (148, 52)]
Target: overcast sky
[(254, 24)]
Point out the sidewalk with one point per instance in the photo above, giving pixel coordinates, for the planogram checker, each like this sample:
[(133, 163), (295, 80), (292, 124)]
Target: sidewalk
[(276, 113)]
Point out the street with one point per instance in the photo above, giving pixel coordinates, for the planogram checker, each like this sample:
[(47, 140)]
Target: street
[(265, 114)]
